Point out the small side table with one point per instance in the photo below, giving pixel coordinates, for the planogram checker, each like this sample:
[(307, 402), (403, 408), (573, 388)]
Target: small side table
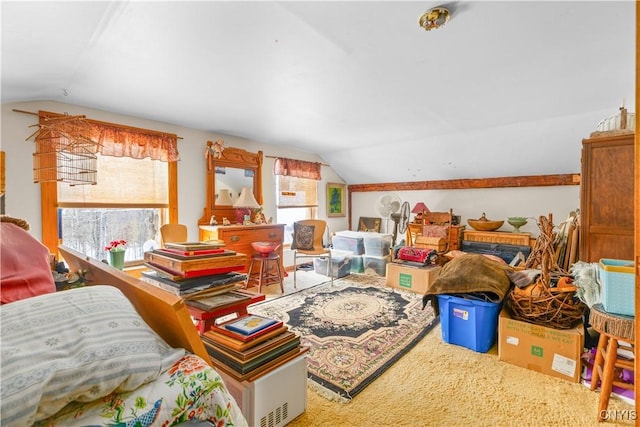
[(612, 329)]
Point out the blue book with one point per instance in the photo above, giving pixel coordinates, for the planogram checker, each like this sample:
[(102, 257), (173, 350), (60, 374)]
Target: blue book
[(249, 325)]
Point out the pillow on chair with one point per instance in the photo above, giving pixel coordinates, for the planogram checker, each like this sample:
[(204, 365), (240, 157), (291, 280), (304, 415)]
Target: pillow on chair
[(302, 237)]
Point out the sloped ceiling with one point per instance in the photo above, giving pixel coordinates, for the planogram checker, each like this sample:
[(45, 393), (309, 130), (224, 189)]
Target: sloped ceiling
[(503, 89)]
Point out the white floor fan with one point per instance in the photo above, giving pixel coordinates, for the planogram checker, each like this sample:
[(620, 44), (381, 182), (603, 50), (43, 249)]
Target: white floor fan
[(391, 207)]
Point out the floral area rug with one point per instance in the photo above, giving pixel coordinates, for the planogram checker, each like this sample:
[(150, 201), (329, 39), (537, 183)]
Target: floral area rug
[(355, 330)]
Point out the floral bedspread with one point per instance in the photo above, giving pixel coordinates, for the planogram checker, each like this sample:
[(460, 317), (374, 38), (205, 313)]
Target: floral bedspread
[(190, 389)]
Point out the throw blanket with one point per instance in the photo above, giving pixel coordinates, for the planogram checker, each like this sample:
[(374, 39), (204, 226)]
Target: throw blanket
[(470, 274)]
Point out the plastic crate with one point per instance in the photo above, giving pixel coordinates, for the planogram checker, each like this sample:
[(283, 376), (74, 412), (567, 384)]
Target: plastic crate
[(376, 244), (468, 322), (617, 290), (376, 265), (350, 243), (340, 264)]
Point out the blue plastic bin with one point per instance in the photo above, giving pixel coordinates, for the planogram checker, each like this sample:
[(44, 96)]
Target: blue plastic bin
[(468, 322), (617, 287)]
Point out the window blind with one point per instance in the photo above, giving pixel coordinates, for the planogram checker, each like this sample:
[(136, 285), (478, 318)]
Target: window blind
[(296, 192)]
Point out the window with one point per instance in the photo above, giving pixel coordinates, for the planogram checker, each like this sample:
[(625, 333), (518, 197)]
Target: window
[(133, 197), (129, 202), (297, 199)]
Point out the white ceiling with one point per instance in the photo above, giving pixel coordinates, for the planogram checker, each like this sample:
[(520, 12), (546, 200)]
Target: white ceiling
[(504, 89)]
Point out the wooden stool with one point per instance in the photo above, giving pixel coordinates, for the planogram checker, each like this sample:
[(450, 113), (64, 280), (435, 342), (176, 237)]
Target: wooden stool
[(612, 328), (267, 273)]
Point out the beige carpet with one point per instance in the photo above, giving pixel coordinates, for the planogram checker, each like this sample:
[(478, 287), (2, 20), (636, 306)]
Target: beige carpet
[(439, 384)]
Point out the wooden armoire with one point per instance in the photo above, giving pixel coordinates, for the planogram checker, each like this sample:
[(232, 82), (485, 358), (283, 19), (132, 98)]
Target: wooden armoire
[(606, 197)]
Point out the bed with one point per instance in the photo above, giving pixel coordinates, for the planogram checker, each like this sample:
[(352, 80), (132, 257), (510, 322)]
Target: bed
[(117, 352)]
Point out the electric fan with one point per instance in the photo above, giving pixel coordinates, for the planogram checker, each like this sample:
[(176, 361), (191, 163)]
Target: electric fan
[(401, 221), (387, 205)]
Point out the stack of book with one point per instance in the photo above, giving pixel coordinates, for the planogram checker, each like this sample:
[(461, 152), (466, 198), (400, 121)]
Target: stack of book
[(194, 270), (251, 345), (180, 261)]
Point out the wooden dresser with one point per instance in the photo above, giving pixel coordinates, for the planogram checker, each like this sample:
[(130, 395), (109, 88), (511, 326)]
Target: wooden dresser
[(606, 198), (239, 237)]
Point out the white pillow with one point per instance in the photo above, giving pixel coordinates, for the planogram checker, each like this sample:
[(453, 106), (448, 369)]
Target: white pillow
[(80, 344)]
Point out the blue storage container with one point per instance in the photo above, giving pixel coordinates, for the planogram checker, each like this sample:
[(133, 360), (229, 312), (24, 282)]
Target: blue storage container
[(617, 287), (468, 322)]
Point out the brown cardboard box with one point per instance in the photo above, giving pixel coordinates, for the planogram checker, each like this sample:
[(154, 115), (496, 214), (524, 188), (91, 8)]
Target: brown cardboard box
[(554, 352), (410, 278)]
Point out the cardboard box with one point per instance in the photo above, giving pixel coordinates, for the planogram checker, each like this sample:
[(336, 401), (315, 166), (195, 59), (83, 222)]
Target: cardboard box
[(410, 278), (555, 352)]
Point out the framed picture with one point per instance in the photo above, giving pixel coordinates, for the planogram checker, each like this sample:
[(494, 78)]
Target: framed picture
[(336, 199), (369, 224)]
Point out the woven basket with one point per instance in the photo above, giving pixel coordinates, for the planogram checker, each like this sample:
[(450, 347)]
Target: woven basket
[(559, 310)]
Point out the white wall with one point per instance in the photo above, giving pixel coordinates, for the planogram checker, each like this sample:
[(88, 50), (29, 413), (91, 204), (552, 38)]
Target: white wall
[(497, 203), (23, 196)]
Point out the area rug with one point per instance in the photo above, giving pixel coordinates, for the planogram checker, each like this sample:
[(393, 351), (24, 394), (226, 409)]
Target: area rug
[(355, 329)]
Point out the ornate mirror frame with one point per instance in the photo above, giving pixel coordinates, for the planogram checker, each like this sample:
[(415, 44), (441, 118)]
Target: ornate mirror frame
[(235, 158)]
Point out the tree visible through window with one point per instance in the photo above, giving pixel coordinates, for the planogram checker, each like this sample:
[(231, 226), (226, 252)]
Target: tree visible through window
[(129, 203)]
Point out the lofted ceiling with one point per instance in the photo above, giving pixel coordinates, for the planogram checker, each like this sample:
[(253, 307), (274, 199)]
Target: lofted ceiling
[(503, 89)]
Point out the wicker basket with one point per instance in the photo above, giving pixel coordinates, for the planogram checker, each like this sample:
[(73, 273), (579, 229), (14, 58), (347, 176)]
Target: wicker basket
[(545, 305), (560, 310)]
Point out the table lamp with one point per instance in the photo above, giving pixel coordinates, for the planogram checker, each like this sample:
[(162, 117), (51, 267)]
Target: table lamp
[(418, 209), (224, 198), (244, 204)]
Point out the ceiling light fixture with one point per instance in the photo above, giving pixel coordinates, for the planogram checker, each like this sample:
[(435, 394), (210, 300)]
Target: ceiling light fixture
[(434, 18)]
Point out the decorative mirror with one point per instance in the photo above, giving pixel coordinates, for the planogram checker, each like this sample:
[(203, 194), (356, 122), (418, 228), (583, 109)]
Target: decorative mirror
[(229, 170)]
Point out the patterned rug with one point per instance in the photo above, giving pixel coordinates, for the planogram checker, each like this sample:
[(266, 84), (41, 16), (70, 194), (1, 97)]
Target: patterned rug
[(355, 330)]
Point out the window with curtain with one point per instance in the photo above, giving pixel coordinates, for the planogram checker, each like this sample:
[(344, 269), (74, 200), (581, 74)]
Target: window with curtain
[(129, 202), (135, 194), (297, 192)]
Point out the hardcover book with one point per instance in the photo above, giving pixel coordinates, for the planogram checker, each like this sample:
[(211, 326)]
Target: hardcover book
[(256, 350), (197, 265), (239, 345), (192, 255), (214, 281), (214, 302), (262, 369), (194, 246), (178, 275), (244, 367)]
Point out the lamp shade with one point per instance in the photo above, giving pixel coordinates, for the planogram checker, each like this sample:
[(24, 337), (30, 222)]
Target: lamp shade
[(419, 208), (224, 198), (246, 199)]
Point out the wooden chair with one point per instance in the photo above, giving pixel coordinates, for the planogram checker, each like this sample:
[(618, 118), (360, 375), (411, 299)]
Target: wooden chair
[(173, 233), (318, 250)]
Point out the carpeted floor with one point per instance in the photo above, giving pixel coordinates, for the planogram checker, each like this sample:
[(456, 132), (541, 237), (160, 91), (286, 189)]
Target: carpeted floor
[(437, 384), (355, 329)]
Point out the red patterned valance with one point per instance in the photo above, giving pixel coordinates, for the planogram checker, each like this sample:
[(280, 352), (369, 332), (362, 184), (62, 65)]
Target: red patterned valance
[(126, 141), (297, 168)]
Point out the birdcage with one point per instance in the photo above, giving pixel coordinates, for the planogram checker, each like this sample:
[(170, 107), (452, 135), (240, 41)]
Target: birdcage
[(65, 151)]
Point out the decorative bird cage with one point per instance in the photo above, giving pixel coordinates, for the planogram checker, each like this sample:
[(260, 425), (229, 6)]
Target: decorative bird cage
[(65, 151)]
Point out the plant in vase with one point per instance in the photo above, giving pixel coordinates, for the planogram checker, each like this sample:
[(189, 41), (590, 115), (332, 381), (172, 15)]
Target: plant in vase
[(116, 249)]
